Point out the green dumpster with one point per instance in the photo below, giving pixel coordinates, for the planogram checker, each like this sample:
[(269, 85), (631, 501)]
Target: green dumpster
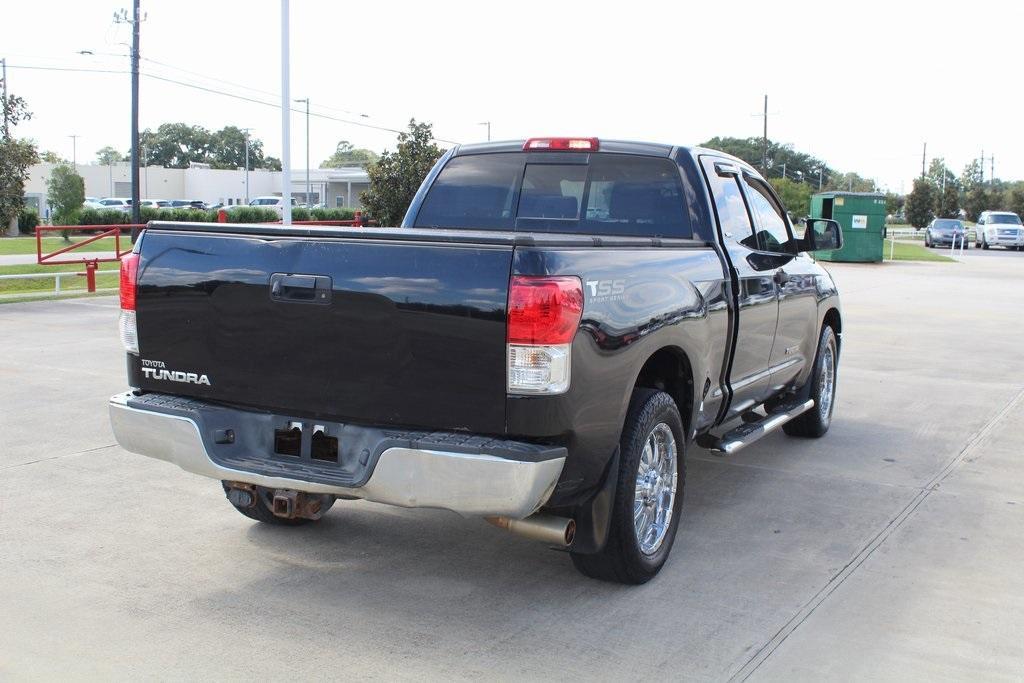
[(862, 217)]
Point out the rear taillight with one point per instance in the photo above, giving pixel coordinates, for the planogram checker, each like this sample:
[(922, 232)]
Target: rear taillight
[(543, 315), (129, 277)]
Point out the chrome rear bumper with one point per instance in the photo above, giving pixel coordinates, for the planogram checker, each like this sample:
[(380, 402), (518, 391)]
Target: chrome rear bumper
[(467, 483)]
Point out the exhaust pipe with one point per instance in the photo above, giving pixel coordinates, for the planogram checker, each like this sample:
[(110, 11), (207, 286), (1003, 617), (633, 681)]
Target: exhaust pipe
[(549, 529)]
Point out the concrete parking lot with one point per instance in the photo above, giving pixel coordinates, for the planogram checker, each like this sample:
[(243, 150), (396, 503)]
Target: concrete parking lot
[(890, 549)]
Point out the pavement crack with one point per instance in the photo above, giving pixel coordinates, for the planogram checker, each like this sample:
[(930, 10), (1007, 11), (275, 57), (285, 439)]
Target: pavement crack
[(837, 579), (58, 457)]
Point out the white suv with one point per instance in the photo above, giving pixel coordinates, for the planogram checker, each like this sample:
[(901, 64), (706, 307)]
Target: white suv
[(271, 202), (999, 229)]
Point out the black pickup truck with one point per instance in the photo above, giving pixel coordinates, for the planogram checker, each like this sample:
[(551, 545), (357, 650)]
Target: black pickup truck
[(554, 324)]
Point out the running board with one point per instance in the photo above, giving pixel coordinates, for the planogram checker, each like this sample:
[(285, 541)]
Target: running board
[(749, 432)]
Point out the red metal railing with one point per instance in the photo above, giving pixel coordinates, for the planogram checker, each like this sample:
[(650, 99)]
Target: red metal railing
[(91, 263)]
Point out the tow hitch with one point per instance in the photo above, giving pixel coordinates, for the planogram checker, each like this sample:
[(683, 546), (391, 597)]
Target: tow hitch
[(284, 503)]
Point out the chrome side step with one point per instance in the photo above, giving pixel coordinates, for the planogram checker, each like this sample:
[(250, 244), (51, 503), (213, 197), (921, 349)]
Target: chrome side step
[(749, 432)]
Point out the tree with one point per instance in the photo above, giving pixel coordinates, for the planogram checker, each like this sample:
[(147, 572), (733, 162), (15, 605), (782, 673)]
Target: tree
[(272, 164), (749, 149), (66, 192), (976, 200), (346, 154), (894, 203), (16, 156), (396, 176), (108, 156), (947, 202), (50, 157), (1016, 199), (227, 149), (796, 197), (920, 206), (850, 182), (176, 145)]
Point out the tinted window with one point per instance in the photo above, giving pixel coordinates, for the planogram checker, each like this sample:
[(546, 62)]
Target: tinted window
[(1003, 219), (611, 194), (946, 223), (552, 192), (772, 234), (731, 209), (474, 192)]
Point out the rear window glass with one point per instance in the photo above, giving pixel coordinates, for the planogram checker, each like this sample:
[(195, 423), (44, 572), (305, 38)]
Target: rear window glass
[(611, 194)]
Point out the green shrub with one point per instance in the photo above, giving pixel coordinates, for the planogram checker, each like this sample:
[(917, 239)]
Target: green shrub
[(333, 214), (28, 219), (300, 213), (101, 217), (252, 214)]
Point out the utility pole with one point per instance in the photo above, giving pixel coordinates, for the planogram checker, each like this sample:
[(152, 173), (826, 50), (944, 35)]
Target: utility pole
[(286, 115), (306, 100), (819, 178), (136, 19), (924, 155), (7, 130), (764, 139), (992, 169), (246, 131), (982, 165), (74, 151), (783, 169), (488, 124)]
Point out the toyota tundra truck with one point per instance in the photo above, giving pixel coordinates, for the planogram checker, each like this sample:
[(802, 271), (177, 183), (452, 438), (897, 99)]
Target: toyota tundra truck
[(555, 324)]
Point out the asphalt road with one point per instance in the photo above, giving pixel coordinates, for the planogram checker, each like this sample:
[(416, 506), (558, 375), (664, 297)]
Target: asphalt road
[(890, 549)]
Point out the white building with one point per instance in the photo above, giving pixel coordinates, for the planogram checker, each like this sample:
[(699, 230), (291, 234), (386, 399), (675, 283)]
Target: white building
[(337, 187)]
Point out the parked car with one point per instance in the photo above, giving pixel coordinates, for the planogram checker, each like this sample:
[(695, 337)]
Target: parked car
[(155, 203), (999, 229), (553, 327), (944, 232), (186, 204), (119, 203), (272, 202)]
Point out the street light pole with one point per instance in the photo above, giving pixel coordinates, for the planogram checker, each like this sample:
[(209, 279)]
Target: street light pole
[(246, 131), (136, 204), (306, 100), (286, 115), (74, 152), (488, 124), (7, 130)]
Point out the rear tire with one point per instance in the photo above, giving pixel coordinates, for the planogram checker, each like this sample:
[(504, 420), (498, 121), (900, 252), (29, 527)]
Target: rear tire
[(816, 421), (648, 494), (984, 242), (262, 510)]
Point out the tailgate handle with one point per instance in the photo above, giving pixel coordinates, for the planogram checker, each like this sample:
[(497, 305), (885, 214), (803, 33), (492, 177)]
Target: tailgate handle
[(300, 289)]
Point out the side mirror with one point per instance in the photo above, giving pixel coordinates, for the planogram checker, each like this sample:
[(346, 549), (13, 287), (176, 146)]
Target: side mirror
[(822, 234)]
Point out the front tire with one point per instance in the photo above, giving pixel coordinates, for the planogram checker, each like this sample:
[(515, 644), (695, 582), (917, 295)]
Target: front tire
[(648, 494), (816, 421)]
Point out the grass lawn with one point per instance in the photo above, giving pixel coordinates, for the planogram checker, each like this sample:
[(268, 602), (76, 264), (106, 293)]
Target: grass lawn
[(27, 245), (108, 277), (913, 252)]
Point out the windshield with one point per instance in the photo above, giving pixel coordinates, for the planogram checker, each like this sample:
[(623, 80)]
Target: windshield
[(1004, 219), (264, 201), (947, 224), (612, 194)]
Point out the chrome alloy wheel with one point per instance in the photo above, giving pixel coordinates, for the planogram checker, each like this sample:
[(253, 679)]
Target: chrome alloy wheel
[(655, 494), (827, 386)]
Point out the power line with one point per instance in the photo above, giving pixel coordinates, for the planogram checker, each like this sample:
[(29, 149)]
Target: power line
[(215, 91)]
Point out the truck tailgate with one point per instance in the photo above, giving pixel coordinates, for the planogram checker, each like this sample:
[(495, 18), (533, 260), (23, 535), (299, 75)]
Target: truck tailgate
[(369, 330)]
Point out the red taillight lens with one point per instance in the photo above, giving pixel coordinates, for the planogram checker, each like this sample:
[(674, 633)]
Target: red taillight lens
[(129, 273), (561, 145), (544, 310)]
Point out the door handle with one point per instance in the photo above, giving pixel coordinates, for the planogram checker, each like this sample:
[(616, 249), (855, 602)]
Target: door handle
[(781, 277), (310, 289)]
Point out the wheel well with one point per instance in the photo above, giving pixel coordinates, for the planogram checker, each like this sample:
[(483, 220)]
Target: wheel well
[(669, 370), (833, 320)]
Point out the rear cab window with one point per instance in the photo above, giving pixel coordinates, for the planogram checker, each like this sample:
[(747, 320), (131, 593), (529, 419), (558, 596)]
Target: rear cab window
[(570, 192)]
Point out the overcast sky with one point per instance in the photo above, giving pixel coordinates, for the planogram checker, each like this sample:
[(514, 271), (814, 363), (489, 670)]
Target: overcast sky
[(859, 84)]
